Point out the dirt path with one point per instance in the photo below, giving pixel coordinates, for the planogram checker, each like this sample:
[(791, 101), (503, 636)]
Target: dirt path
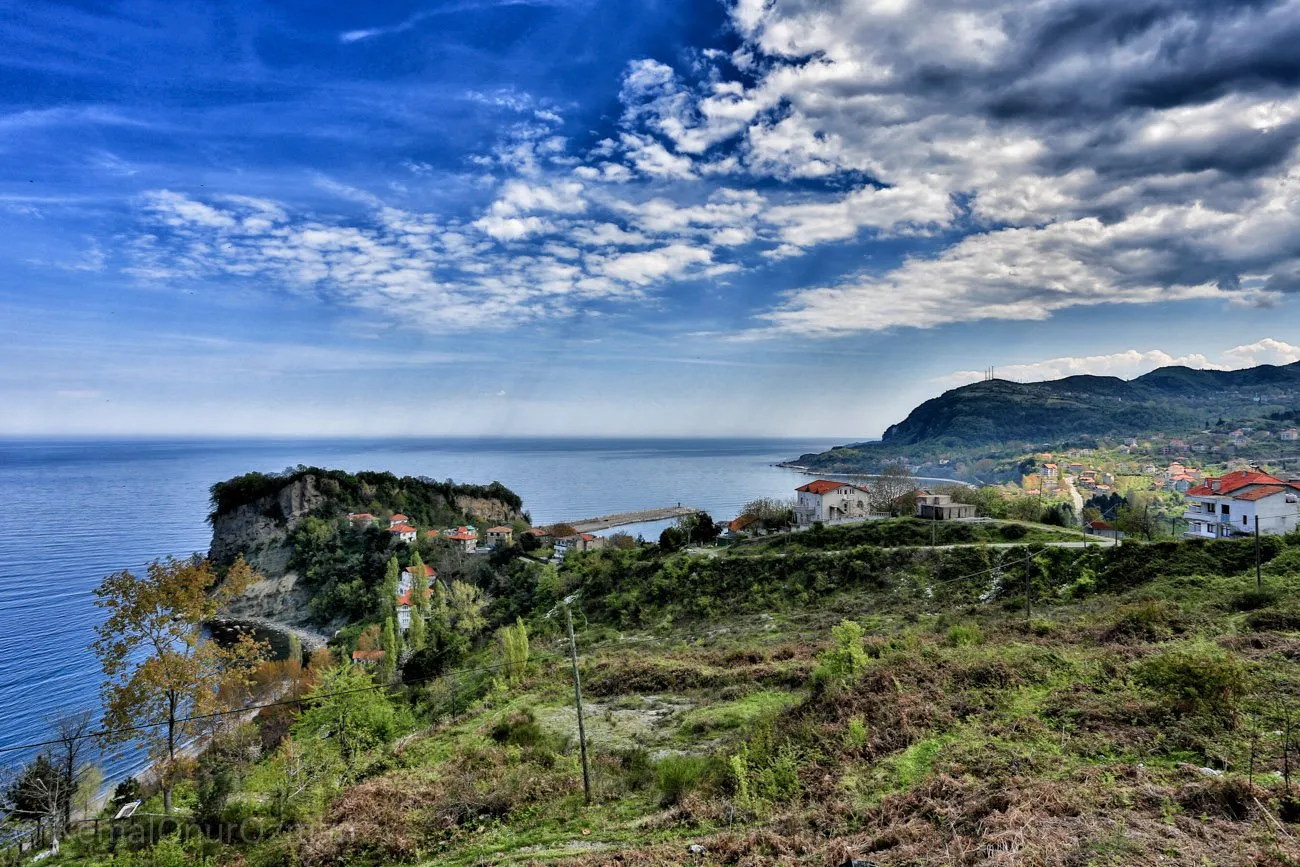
[(1075, 497)]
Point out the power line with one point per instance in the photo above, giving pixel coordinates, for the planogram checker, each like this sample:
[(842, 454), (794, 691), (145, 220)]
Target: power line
[(215, 714)]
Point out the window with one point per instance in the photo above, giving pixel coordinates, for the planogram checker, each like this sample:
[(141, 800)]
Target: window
[(1225, 508)]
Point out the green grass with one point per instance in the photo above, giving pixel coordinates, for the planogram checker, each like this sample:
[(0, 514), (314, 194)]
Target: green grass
[(743, 712)]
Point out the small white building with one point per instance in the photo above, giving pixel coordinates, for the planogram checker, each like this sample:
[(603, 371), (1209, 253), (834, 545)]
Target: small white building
[(408, 579), (828, 501), (940, 507), (404, 532), (500, 536), (1228, 506)]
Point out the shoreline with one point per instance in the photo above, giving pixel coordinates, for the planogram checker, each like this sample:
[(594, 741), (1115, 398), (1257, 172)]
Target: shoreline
[(308, 639)]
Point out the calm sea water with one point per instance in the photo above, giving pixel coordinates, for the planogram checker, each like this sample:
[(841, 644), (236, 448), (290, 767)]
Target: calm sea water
[(72, 512)]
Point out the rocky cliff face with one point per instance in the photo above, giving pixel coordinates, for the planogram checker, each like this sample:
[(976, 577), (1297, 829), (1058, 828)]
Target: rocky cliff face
[(491, 511), (260, 532)]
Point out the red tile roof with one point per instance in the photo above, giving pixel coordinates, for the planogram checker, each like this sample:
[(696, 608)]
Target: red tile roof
[(741, 523), (428, 570), (463, 537), (1261, 492), (399, 518), (825, 486), (537, 531), (405, 598), (501, 530), (401, 528), (367, 655), (1099, 525), (360, 516), (1233, 482)]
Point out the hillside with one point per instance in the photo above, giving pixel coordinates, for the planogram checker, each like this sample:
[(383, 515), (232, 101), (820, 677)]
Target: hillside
[(1170, 400), (894, 705), (316, 565)]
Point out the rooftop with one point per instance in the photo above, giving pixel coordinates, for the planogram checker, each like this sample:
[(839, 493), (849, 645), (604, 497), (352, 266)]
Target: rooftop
[(825, 486)]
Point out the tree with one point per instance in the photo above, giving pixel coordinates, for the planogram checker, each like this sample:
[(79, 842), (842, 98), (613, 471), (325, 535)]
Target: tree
[(415, 636), (559, 531), (672, 539), (159, 666), (889, 490), (465, 609), (392, 650), (346, 709), (392, 581), (528, 543), (38, 792), (699, 528), (71, 735), (772, 513), (514, 650)]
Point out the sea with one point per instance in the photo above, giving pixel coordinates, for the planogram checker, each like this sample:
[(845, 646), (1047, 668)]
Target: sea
[(73, 511)]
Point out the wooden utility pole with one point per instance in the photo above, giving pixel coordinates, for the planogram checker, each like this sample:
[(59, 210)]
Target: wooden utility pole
[(577, 697), (1029, 610)]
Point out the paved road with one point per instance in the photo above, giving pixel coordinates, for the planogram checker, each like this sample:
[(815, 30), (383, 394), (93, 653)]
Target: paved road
[(1075, 497), (1090, 542)]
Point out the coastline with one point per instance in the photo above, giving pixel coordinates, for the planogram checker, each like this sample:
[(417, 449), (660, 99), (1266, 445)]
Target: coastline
[(309, 640), (807, 471)]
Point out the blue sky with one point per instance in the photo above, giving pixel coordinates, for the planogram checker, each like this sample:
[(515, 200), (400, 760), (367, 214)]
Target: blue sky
[(761, 217)]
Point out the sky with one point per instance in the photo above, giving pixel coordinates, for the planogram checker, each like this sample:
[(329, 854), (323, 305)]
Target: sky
[(602, 217)]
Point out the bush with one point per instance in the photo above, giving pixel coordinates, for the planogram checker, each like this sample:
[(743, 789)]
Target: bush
[(964, 635), (1274, 620), (1200, 680), (520, 729), (638, 769), (677, 776), (1250, 600), (1149, 620), (846, 660)]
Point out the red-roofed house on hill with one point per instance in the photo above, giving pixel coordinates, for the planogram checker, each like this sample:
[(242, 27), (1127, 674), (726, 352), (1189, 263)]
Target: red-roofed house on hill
[(502, 536), (827, 501), (1229, 506), (404, 532), (397, 519), (366, 657)]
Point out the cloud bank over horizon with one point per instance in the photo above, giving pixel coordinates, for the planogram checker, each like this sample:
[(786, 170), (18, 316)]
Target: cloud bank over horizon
[(789, 182)]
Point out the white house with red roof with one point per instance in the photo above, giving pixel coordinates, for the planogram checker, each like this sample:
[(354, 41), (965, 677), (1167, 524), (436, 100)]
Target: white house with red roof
[(1229, 505), (404, 608), (404, 532), (398, 519), (828, 501), (408, 579), (465, 537)]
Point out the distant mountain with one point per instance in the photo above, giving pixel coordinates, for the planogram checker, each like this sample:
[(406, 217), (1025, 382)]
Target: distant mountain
[(1168, 400)]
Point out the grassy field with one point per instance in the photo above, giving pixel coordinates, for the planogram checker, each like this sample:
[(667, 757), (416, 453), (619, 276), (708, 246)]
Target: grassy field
[(908, 713)]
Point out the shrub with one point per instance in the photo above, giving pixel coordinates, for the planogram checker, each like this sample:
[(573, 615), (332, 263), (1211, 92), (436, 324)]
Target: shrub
[(1149, 620), (1196, 680), (520, 729), (1014, 532), (845, 660), (1274, 620), (1251, 600), (857, 736), (964, 635), (677, 776), (638, 769)]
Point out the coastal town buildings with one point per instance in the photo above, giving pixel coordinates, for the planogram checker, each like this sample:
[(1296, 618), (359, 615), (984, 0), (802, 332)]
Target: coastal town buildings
[(500, 536), (828, 501), (1229, 505), (577, 542)]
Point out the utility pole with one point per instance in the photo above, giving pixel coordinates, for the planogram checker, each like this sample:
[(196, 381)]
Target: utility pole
[(577, 697), (933, 519)]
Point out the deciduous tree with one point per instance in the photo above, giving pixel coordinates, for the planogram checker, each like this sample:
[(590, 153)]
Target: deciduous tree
[(159, 666), (889, 490)]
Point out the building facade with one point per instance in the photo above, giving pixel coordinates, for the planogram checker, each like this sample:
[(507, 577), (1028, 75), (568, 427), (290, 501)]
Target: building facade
[(1229, 505), (828, 501)]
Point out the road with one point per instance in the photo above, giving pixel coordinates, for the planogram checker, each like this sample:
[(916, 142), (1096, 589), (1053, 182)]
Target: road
[(1075, 497), (1090, 542)]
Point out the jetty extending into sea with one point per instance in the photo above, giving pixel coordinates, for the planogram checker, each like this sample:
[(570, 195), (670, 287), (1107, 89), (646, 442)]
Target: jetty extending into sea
[(604, 522)]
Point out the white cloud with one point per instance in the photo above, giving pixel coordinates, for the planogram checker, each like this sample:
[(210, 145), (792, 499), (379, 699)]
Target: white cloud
[(1266, 351)]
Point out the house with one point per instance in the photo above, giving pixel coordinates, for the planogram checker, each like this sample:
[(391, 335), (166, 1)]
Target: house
[(367, 657), (824, 500), (577, 542), (361, 517), (464, 537), (404, 608), (398, 519), (940, 507), (740, 525), (404, 532), (1075, 469), (1101, 528), (408, 580), (502, 537), (1230, 505), (1289, 435), (1049, 471)]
